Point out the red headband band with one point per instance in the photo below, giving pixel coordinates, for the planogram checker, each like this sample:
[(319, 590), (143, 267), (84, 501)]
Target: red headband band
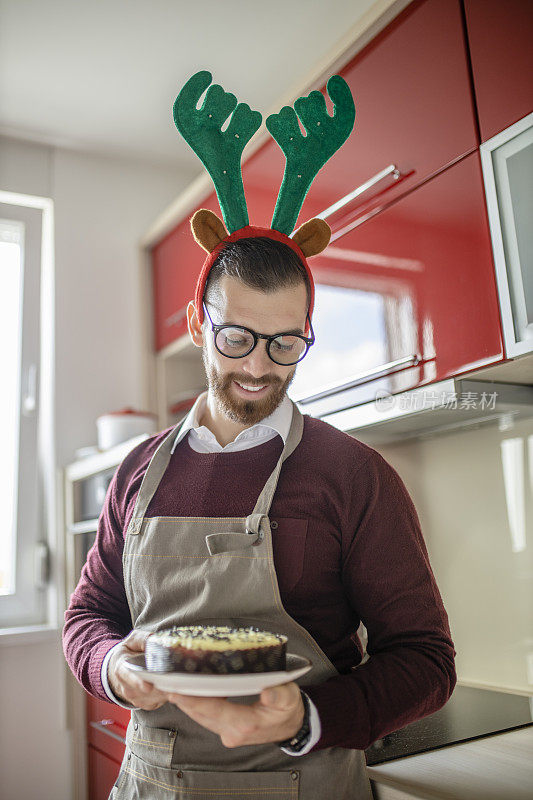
[(249, 232)]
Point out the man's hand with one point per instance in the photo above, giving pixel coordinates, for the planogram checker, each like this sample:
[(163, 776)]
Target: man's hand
[(124, 683), (277, 715)]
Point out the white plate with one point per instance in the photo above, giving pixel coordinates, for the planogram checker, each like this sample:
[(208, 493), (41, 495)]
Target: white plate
[(201, 685)]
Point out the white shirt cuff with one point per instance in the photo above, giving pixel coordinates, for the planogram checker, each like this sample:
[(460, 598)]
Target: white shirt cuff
[(316, 731), (105, 682)]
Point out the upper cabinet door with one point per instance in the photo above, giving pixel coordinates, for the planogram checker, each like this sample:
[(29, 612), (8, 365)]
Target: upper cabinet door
[(500, 38), (176, 264), (414, 110), (409, 297)]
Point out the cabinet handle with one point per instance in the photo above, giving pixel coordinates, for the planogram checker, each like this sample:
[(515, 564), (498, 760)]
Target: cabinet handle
[(363, 377), (392, 169), (29, 401), (176, 317), (41, 564), (102, 727)]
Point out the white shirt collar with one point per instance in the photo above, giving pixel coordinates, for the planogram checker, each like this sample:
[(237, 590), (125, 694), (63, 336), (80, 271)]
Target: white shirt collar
[(279, 422)]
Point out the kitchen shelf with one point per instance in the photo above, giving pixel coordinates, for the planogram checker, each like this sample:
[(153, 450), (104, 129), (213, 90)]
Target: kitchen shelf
[(98, 462), (180, 375), (87, 526), (85, 483)]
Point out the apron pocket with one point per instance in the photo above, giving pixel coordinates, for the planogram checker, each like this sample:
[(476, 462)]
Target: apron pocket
[(143, 781), (288, 544), (153, 745)]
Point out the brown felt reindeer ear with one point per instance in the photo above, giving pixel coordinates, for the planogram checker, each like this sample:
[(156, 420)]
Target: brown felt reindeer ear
[(208, 230), (312, 237)]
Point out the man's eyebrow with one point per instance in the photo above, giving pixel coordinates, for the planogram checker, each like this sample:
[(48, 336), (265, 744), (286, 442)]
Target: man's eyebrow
[(292, 332)]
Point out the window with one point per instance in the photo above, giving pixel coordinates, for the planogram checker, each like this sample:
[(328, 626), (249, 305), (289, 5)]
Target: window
[(342, 351), (11, 240), (27, 468)]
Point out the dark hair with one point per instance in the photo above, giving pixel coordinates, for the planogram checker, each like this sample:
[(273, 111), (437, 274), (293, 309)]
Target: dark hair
[(260, 263)]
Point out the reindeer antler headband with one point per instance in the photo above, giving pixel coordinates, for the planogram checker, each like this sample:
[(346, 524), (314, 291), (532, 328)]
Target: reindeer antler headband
[(221, 151)]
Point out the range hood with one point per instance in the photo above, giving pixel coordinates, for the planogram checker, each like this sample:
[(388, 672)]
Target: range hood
[(436, 408)]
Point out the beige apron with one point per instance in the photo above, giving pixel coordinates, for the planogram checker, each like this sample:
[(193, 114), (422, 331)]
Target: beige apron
[(204, 570)]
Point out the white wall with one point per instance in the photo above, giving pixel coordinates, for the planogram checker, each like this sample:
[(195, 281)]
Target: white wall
[(473, 491), (99, 338), (102, 208)]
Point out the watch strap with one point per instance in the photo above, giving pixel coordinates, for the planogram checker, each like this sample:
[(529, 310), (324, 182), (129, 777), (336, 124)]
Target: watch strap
[(300, 739)]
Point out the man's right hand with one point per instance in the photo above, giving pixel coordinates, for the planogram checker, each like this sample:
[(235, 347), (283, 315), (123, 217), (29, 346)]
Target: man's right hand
[(124, 683)]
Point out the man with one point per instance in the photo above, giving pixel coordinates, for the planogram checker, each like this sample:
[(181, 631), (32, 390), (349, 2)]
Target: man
[(343, 546)]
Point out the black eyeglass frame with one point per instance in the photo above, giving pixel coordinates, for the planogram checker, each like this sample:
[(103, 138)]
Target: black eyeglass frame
[(309, 341)]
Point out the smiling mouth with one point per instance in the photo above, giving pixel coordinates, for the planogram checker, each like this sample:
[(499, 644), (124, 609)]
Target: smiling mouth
[(247, 388)]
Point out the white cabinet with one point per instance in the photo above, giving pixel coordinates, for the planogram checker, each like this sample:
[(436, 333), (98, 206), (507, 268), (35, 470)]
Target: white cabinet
[(507, 161)]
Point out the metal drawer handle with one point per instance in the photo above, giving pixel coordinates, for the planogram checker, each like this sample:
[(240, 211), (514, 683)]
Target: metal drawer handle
[(102, 727), (363, 377), (176, 317), (392, 169)]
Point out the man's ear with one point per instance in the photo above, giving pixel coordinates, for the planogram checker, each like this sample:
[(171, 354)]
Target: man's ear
[(194, 325)]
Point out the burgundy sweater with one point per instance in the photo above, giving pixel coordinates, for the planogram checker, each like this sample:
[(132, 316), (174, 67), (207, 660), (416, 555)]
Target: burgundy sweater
[(347, 548)]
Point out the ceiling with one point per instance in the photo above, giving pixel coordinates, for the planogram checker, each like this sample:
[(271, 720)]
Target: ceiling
[(101, 76)]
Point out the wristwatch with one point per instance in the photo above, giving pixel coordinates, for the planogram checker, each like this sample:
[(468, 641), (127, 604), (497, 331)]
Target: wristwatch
[(300, 739)]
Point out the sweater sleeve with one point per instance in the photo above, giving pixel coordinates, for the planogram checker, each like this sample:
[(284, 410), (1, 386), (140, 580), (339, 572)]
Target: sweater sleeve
[(98, 615), (387, 576)]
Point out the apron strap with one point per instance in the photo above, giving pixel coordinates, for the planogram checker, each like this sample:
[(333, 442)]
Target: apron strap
[(227, 542), (150, 482)]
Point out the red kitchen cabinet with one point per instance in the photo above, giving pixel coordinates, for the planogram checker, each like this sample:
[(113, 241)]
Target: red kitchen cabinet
[(103, 772), (176, 263), (500, 41), (414, 109), (106, 727), (106, 737), (426, 264)]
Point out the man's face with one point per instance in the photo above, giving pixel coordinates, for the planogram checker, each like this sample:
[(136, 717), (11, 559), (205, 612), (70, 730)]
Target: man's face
[(248, 389)]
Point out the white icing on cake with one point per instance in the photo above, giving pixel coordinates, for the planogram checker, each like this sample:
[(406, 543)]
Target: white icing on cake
[(216, 638)]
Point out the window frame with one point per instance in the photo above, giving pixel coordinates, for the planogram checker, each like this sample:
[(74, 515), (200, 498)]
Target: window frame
[(35, 600)]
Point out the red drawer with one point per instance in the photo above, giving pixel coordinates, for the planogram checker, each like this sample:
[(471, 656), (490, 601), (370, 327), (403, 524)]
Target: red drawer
[(103, 772), (500, 40), (106, 726)]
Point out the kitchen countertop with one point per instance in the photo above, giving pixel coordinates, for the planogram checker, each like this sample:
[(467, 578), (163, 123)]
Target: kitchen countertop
[(469, 713), (498, 767)]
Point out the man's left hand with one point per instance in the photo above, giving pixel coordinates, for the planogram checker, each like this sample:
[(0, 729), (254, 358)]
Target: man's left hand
[(276, 716)]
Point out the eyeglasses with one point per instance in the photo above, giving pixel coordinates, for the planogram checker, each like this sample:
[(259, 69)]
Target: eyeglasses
[(235, 341)]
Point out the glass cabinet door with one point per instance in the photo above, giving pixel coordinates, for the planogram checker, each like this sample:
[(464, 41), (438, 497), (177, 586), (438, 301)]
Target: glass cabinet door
[(507, 161)]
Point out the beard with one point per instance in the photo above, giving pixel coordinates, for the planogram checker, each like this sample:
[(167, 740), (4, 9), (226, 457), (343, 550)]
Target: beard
[(245, 412)]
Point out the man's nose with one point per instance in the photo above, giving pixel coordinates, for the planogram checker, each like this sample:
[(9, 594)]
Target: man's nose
[(257, 363)]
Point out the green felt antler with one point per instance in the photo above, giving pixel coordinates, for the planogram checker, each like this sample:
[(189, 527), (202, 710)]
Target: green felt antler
[(219, 151), (306, 155)]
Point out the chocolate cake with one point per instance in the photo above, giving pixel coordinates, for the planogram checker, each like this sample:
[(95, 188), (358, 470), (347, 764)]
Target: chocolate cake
[(219, 650)]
